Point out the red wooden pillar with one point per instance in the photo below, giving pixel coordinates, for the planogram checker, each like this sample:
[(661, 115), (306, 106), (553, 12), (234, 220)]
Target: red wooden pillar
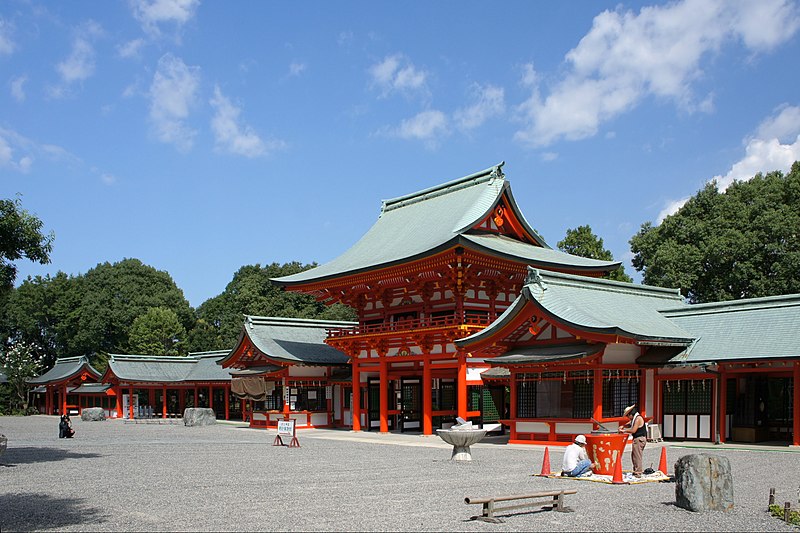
[(355, 408), (427, 387), (130, 403), (227, 391), (597, 394), (164, 402), (384, 402), (210, 397), (195, 397), (48, 409), (461, 387), (643, 392), (796, 426), (64, 399), (722, 382), (512, 412), (118, 400)]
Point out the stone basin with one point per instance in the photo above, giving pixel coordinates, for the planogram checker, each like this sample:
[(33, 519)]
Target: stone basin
[(461, 440)]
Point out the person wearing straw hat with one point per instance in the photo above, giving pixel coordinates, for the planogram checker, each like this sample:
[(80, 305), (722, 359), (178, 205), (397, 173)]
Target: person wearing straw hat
[(637, 429), (576, 462)]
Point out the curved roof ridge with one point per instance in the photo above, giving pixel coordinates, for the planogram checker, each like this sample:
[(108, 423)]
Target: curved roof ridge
[(731, 306), (151, 357), (297, 322), (488, 174), (560, 278), (209, 353)]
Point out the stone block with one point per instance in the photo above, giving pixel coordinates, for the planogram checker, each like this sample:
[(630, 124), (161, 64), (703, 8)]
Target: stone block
[(93, 414), (703, 482), (199, 416)]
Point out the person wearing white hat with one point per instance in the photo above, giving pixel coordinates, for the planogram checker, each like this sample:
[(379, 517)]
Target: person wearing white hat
[(638, 430), (576, 462)]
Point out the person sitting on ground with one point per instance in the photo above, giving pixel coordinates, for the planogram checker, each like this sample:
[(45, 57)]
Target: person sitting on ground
[(65, 430), (576, 461)]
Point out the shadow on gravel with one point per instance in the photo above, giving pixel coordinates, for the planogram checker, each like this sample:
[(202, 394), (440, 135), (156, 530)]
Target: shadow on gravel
[(34, 511), (33, 454)]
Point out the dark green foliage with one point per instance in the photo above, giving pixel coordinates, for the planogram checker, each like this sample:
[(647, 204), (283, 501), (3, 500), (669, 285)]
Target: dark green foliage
[(251, 293), (20, 236), (157, 332), (582, 242), (743, 243)]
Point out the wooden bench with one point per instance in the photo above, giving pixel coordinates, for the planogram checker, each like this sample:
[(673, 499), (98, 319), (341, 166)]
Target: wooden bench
[(554, 498)]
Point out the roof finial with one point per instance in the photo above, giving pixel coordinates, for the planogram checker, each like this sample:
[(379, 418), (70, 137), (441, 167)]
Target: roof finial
[(534, 277), (497, 171)]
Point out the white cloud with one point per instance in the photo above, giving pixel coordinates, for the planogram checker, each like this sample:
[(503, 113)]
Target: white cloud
[(489, 102), (7, 153), (774, 146), (429, 126), (151, 14), (7, 45), (131, 48), (233, 137), (80, 63), (396, 73), (173, 92), (18, 88), (626, 57), (295, 69), (108, 179)]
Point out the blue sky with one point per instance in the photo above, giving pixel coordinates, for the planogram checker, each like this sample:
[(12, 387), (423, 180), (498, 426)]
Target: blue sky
[(201, 136)]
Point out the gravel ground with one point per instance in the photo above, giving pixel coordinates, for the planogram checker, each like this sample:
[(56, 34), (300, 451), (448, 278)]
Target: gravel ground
[(136, 477)]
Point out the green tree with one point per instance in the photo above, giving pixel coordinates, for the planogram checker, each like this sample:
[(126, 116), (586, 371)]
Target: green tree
[(113, 296), (582, 242), (158, 332), (20, 236), (38, 312), (19, 362), (250, 292), (741, 243)]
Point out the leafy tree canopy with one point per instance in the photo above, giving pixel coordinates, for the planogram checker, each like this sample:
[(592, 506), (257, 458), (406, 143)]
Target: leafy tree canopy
[(741, 243), (250, 292), (582, 242), (20, 236), (158, 332)]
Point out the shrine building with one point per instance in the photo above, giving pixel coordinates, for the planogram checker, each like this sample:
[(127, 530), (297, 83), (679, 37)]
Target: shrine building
[(465, 311), (283, 369), (70, 385)]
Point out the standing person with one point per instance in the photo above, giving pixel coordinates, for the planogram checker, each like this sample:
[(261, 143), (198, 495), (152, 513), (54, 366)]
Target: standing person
[(576, 462), (638, 430)]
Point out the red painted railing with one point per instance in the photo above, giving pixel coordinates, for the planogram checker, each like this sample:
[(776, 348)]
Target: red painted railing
[(406, 325)]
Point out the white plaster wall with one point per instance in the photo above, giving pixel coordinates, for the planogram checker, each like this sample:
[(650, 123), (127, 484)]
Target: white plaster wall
[(306, 371), (474, 374), (621, 354)]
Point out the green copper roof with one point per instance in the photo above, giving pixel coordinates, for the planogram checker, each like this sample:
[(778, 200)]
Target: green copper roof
[(755, 328), (545, 354), (293, 340), (64, 369), (434, 219), (200, 366), (596, 305)]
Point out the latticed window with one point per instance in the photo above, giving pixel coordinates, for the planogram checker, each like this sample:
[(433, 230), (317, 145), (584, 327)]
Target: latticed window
[(687, 396), (620, 389), (555, 395), (274, 401)]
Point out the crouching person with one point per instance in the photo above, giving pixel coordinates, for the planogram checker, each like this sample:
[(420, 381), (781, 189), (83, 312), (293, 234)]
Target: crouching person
[(576, 461)]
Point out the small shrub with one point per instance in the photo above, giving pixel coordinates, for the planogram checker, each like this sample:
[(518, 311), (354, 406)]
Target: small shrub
[(777, 510)]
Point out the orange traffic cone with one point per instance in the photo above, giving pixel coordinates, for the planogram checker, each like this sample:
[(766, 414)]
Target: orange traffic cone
[(617, 479), (662, 464), (546, 463)]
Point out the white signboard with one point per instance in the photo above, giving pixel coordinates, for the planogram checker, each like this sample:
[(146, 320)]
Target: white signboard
[(286, 428), (329, 392)]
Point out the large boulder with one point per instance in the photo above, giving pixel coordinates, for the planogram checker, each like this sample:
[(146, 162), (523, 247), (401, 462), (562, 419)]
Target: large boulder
[(199, 416), (703, 482), (93, 414)]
